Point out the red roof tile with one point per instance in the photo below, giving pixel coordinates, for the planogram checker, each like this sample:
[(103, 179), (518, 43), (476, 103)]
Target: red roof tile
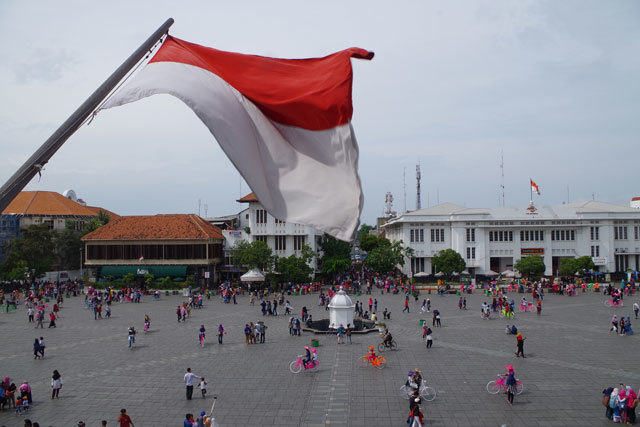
[(251, 197), (156, 227), (45, 203)]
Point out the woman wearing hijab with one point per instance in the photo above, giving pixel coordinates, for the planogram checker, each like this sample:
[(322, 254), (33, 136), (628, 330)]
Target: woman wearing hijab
[(520, 345), (622, 405), (56, 384), (631, 405), (613, 404), (614, 322), (627, 326), (510, 383)]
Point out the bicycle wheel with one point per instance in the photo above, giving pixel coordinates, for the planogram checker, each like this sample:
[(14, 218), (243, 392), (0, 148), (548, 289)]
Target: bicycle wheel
[(428, 393), (608, 303), (381, 347), (316, 365), (405, 392), (519, 387), (295, 367), (382, 361), (493, 387), (393, 345), (502, 314)]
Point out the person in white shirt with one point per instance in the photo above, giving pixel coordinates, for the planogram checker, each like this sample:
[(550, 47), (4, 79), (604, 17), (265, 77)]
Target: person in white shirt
[(188, 381)]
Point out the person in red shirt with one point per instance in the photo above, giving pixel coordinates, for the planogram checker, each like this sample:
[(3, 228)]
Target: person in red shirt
[(124, 420)]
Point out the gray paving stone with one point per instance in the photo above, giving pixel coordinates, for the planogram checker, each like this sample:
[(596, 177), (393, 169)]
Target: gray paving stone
[(572, 357)]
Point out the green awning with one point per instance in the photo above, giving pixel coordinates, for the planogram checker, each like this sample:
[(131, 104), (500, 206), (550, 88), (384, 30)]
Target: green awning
[(156, 270)]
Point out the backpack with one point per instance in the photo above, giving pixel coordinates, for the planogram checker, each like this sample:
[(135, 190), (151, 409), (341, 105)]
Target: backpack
[(605, 400)]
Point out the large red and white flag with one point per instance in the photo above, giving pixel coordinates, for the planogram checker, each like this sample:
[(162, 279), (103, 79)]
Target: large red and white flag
[(284, 123), (534, 187)]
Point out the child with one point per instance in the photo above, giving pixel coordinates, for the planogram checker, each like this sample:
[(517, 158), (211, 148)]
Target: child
[(203, 387), (19, 406), (371, 355), (25, 405)]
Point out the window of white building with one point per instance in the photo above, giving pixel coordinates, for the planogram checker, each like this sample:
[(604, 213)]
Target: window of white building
[(261, 216), (298, 242), (281, 243)]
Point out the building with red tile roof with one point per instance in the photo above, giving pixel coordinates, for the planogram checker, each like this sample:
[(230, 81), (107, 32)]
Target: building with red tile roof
[(162, 245), (42, 207)]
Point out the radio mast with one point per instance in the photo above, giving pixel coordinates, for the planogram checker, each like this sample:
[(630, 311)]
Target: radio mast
[(418, 201)]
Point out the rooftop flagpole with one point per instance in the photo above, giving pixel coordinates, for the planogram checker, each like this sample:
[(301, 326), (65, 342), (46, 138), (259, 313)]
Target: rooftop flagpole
[(36, 162)]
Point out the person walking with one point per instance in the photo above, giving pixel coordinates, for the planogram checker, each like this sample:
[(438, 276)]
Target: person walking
[(220, 333), (406, 305), (436, 318), (124, 420), (30, 313), (263, 330), (39, 319), (42, 346), (424, 306), (614, 322), (349, 332), (429, 336), (36, 349), (636, 309), (56, 384), (52, 320), (428, 305), (520, 345), (189, 377), (510, 383)]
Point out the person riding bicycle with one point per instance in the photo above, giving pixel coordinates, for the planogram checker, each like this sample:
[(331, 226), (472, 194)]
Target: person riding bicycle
[(386, 338), (307, 356), (415, 379), (372, 354), (202, 331)]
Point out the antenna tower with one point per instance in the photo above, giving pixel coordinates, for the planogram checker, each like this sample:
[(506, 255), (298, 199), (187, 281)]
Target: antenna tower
[(418, 176)]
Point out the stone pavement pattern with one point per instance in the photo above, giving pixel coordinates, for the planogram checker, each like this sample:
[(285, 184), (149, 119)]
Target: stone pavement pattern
[(571, 358)]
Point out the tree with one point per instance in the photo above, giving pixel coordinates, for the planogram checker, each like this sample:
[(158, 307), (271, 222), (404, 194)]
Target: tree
[(296, 269), (571, 266), (254, 255), (530, 266), (336, 255), (369, 242), (67, 247), (148, 279), (33, 251), (386, 256), (364, 231), (448, 262), (128, 279)]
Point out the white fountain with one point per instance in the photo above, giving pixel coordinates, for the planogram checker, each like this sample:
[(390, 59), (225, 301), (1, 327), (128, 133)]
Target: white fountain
[(341, 310)]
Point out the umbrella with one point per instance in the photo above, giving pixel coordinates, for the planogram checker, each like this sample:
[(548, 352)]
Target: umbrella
[(421, 274), (252, 276), (439, 274), (465, 273), (489, 273), (508, 273), (455, 273)]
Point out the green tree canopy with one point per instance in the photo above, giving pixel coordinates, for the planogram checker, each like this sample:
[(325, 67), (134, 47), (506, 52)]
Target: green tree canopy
[(531, 266), (256, 254), (571, 266), (448, 262), (336, 255), (33, 251), (368, 242), (296, 269), (364, 231), (386, 256)]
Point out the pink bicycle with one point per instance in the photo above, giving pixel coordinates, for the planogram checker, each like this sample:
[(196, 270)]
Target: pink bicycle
[(494, 387), (610, 303), (528, 307), (298, 365)]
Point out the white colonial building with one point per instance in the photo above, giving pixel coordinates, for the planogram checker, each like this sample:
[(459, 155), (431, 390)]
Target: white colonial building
[(283, 238), (494, 239)]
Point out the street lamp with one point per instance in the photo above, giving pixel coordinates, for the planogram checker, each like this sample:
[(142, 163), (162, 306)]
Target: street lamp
[(81, 270)]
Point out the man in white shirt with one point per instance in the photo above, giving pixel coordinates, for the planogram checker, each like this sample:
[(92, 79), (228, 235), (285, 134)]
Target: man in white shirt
[(188, 380)]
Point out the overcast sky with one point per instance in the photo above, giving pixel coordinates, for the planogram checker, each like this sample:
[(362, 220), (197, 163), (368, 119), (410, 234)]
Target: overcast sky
[(553, 84)]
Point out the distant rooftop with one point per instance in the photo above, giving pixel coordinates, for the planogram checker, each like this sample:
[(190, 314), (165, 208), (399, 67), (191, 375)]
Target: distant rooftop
[(156, 227), (46, 203)]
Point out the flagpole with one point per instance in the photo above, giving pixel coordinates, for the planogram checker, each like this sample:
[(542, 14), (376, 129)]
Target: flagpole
[(530, 191), (36, 162)]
